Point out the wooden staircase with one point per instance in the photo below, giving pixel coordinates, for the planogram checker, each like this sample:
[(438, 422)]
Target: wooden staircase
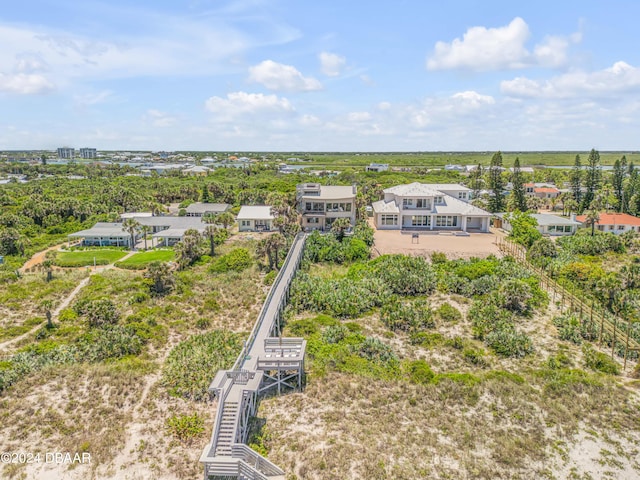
[(227, 431)]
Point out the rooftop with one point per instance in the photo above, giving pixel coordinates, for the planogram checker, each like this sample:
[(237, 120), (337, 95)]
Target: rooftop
[(200, 207), (613, 219), (255, 212)]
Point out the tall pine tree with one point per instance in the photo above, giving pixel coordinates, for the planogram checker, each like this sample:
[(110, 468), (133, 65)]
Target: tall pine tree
[(576, 181), (518, 191), (593, 178), (619, 173), (496, 184)]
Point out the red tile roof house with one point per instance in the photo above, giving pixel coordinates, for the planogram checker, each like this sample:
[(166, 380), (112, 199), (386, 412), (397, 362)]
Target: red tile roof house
[(617, 223), (546, 192)]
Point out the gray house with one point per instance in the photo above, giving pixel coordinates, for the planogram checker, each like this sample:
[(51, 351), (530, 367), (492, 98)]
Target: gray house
[(200, 209)]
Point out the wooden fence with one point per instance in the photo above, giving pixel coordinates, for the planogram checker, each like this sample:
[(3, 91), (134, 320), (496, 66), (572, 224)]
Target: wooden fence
[(610, 328)]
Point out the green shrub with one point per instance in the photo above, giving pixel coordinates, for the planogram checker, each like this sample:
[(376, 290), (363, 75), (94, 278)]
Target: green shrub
[(475, 357), (236, 260), (404, 275), (375, 351), (335, 334), (438, 258), (67, 315), (448, 313), (138, 297), (108, 342), (185, 427), (426, 339), (558, 361), (304, 327), (509, 343), (599, 361), (542, 252), (407, 316), (486, 316), (419, 372), (203, 323), (270, 277), (339, 298), (516, 296), (98, 312), (191, 364)]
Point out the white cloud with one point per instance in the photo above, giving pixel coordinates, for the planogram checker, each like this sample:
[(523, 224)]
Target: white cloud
[(483, 49), (359, 117), (24, 84), (160, 119), (473, 99), (240, 103), (280, 77), (331, 64), (610, 82)]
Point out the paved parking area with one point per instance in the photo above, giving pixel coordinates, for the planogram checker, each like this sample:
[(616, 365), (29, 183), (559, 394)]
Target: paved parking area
[(454, 246)]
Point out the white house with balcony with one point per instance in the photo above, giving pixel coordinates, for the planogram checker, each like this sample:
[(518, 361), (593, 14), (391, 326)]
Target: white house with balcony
[(420, 206), (320, 205)]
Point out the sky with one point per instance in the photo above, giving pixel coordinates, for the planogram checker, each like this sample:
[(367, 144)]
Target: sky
[(334, 75)]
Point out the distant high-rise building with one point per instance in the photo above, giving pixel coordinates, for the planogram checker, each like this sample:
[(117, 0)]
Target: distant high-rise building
[(66, 152), (88, 153)]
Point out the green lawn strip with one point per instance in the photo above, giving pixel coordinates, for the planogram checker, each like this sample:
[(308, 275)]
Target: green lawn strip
[(142, 259), (85, 258)]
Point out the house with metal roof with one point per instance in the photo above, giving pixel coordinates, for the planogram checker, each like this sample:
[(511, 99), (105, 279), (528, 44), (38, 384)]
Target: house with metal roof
[(105, 234), (421, 206), (200, 209), (553, 225), (255, 218)]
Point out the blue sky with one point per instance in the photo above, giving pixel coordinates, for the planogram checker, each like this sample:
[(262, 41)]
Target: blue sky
[(320, 76)]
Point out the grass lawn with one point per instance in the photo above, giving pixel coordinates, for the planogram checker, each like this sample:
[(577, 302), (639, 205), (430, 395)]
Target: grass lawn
[(142, 259), (85, 258)]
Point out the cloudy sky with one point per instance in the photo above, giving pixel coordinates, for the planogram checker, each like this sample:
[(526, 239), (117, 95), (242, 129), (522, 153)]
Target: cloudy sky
[(332, 75)]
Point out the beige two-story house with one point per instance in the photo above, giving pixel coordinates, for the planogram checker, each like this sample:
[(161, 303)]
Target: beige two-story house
[(320, 205)]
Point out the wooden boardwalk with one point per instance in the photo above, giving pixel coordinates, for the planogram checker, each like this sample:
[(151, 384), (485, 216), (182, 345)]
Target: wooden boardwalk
[(266, 361)]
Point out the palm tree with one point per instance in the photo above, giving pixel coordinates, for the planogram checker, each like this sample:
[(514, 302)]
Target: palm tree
[(277, 242), (131, 225), (189, 249), (210, 232), (263, 249), (145, 229), (339, 227), (46, 306), (593, 216), (226, 219)]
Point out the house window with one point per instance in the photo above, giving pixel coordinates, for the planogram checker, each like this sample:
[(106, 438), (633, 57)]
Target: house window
[(420, 221), (389, 219), (439, 200), (620, 227), (246, 223), (314, 207), (552, 229), (423, 203), (313, 220), (610, 227), (407, 202), (446, 221), (338, 207), (462, 195), (568, 229)]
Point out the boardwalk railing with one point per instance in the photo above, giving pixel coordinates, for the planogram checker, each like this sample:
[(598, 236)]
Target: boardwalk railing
[(265, 306), (617, 329)]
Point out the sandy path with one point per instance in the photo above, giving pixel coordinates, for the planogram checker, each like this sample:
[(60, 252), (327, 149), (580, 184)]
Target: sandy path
[(39, 257), (64, 304)]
